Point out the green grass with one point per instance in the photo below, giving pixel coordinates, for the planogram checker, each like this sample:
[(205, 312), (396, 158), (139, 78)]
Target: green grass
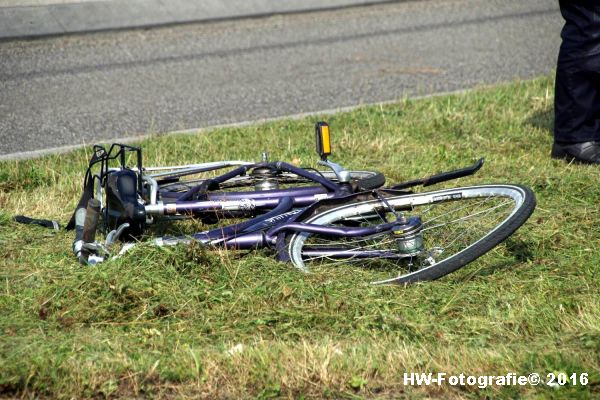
[(185, 322)]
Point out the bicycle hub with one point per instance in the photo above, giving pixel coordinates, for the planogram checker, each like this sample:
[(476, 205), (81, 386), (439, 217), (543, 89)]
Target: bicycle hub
[(265, 178), (409, 238)]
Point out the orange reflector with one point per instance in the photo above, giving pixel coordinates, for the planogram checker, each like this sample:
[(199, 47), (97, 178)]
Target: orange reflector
[(326, 140), (323, 139)]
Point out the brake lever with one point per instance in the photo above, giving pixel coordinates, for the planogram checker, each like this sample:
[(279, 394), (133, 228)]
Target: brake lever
[(99, 252), (114, 235)]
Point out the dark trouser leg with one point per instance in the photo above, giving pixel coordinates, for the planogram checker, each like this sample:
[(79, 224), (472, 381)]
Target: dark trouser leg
[(577, 98)]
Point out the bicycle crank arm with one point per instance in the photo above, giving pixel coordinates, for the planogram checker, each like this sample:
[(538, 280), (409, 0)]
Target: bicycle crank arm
[(441, 177)]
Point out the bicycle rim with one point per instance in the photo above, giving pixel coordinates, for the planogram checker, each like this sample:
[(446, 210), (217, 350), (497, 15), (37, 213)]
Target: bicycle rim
[(458, 226)]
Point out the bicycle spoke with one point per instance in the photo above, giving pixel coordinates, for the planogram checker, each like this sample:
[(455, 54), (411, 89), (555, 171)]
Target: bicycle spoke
[(462, 218), (456, 209), (448, 227), (467, 231)]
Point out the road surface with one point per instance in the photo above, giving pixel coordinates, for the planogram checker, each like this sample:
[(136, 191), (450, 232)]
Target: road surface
[(80, 89)]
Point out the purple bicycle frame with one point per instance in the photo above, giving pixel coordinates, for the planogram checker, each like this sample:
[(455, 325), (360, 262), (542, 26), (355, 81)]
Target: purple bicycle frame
[(284, 206), (262, 231), (178, 203)]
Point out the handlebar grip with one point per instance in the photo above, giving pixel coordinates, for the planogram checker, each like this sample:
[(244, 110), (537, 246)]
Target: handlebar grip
[(91, 221), (79, 221), (86, 221)]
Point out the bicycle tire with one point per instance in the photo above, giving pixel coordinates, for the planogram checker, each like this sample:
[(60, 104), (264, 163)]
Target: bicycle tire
[(521, 197)]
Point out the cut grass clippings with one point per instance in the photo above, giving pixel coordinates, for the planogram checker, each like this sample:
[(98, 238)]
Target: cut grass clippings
[(186, 322)]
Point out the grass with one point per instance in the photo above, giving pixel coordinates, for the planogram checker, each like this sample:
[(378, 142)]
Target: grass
[(186, 322)]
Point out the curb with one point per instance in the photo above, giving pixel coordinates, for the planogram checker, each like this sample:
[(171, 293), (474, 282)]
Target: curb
[(19, 22)]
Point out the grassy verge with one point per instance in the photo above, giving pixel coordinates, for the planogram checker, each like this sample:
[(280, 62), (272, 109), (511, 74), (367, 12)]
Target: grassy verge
[(183, 322)]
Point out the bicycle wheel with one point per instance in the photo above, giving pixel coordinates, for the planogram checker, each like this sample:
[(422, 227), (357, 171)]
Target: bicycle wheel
[(450, 228)]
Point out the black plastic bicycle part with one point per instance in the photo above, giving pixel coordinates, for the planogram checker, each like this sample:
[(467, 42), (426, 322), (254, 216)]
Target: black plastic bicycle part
[(118, 151), (442, 177), (123, 203)]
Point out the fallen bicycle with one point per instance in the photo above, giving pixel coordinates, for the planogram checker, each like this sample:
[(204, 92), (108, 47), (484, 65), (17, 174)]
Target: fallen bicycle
[(317, 220)]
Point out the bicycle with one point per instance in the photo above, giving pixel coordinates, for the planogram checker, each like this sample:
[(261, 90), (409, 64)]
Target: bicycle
[(335, 221)]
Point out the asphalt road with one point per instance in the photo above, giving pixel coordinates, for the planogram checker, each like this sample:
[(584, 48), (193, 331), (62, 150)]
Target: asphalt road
[(80, 89)]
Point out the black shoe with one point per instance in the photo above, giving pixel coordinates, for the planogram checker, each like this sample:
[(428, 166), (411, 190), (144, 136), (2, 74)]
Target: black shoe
[(585, 153)]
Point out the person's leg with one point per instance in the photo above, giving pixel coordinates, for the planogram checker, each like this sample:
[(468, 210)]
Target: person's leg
[(577, 100), (577, 89)]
